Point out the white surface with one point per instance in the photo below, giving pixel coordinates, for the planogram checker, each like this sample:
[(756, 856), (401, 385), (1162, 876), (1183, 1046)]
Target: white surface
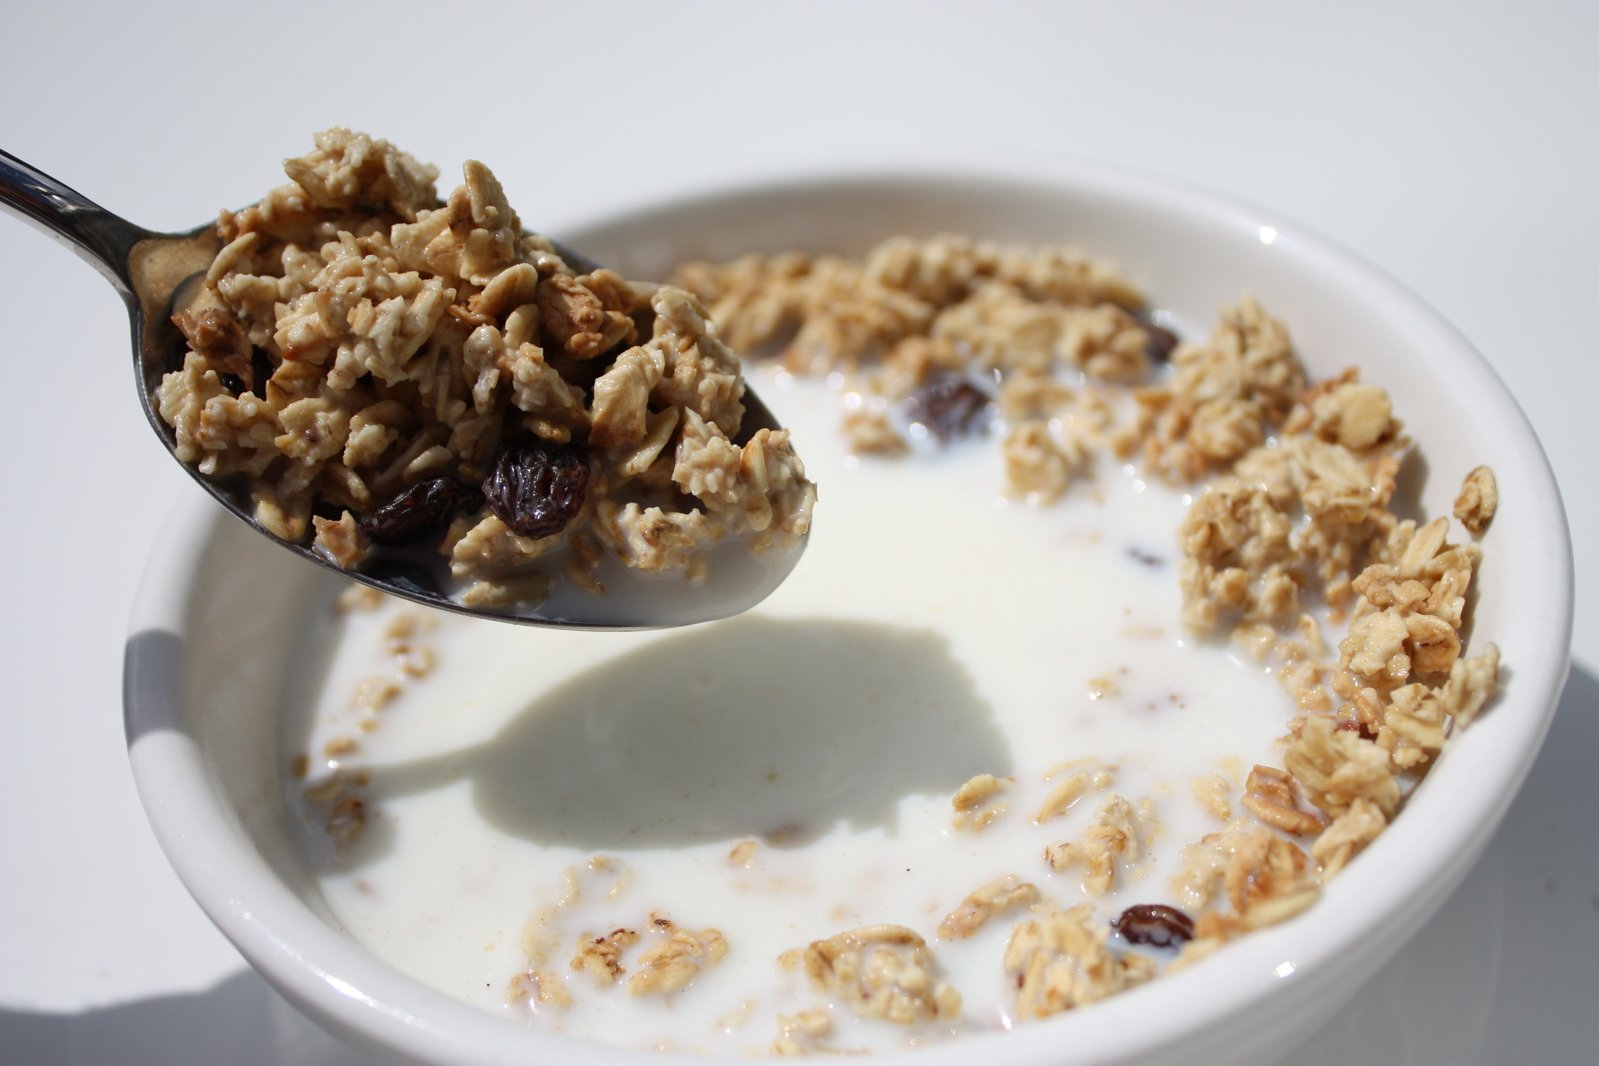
[(1449, 143)]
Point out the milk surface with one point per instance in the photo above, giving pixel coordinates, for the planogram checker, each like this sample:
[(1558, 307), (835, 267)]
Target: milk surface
[(933, 631)]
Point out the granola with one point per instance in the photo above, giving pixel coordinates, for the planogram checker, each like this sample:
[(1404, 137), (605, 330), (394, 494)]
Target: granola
[(365, 358), (984, 903), (881, 971), (601, 956), (669, 965), (670, 958), (1292, 484), (1478, 499), (977, 803), (1115, 839), (1061, 961), (1338, 627), (1072, 787)]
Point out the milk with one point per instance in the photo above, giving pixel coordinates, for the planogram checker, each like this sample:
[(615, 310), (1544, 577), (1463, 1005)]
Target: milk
[(933, 631)]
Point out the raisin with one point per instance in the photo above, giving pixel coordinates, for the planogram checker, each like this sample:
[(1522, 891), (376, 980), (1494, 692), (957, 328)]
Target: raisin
[(233, 383), (420, 511), (1155, 924), (951, 407), (536, 488), (1161, 343), (261, 370)]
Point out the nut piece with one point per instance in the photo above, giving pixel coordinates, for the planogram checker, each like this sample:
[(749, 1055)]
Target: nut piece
[(881, 971)]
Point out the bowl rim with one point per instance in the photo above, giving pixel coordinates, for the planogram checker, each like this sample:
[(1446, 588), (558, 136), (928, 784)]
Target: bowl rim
[(339, 983)]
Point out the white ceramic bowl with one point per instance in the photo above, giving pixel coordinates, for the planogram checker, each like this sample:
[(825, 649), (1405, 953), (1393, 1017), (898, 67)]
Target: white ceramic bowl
[(220, 611)]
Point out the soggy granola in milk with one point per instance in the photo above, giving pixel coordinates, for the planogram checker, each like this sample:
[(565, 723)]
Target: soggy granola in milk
[(384, 369), (1186, 664)]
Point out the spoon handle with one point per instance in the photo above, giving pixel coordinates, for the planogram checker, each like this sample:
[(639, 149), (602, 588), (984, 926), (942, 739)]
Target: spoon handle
[(103, 239)]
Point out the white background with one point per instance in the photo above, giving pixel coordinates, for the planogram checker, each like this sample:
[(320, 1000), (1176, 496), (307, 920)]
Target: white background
[(1454, 144)]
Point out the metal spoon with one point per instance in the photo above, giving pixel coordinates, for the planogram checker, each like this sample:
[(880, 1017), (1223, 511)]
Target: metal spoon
[(153, 270)]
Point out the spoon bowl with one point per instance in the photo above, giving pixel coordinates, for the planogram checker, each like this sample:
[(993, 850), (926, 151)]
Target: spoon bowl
[(155, 273)]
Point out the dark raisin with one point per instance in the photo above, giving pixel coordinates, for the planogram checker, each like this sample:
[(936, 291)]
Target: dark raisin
[(1155, 924), (1160, 344), (420, 511), (233, 383), (536, 488), (951, 407), (261, 370)]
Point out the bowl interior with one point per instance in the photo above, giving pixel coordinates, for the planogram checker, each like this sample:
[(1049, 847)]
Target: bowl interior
[(222, 615)]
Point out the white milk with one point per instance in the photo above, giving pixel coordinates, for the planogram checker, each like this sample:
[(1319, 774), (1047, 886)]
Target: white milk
[(933, 631)]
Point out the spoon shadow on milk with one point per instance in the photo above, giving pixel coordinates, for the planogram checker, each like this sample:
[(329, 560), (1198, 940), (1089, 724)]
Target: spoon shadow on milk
[(778, 728)]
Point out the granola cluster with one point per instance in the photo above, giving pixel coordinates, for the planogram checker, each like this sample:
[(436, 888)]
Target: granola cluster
[(1061, 960), (667, 966), (1301, 521), (1243, 878), (381, 367), (1116, 840), (658, 957), (880, 971), (921, 327)]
